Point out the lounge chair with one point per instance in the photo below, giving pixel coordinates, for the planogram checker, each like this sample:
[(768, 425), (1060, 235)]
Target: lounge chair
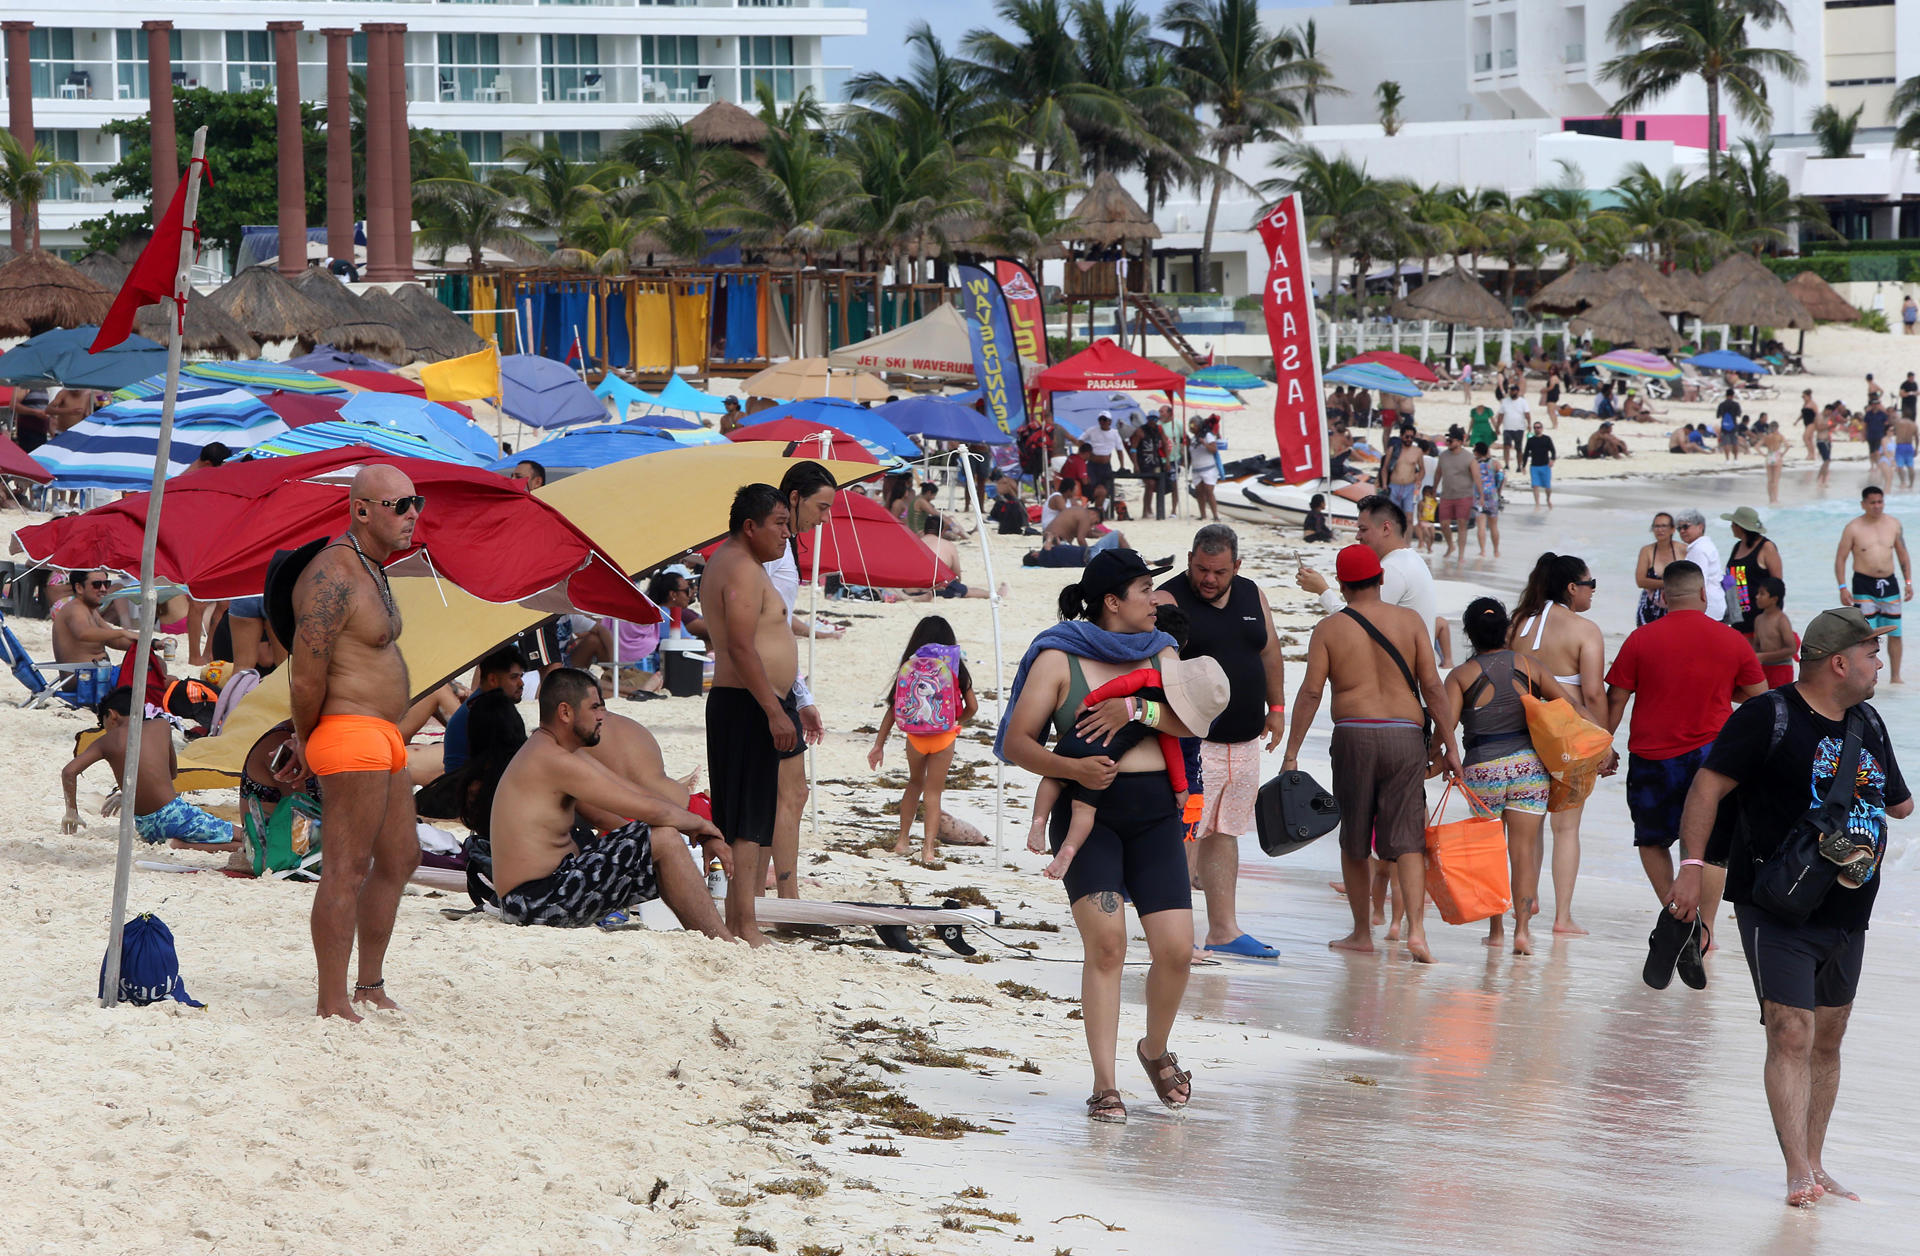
[(81, 685)]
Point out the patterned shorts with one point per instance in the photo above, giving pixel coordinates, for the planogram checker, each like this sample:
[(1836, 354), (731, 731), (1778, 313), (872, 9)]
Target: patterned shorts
[(608, 875), (1511, 782), (181, 819), (1230, 773)]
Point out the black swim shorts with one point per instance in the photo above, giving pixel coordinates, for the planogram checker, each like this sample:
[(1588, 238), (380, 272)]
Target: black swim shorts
[(1657, 794), (1804, 966), (1136, 848), (609, 874), (743, 765)]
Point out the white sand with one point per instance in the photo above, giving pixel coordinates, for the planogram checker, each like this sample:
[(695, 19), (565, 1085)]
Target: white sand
[(543, 1083)]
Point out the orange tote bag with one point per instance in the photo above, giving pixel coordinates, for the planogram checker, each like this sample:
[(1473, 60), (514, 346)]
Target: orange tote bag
[(1570, 747), (1467, 865)]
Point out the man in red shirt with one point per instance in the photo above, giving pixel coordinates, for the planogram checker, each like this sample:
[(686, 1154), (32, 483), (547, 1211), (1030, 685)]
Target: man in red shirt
[(1685, 672)]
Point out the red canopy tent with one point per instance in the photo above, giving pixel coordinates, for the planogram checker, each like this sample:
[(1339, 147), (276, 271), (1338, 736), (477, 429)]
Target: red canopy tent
[(1412, 368), (863, 544), (1104, 366), (803, 440), (220, 527)]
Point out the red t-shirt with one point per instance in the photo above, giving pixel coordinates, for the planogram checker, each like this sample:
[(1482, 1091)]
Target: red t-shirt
[(1683, 669)]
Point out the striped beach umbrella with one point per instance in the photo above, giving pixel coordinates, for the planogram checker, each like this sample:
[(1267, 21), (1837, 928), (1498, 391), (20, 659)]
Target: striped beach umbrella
[(255, 376), (1226, 375), (1636, 362), (339, 434), (115, 448), (1209, 397)]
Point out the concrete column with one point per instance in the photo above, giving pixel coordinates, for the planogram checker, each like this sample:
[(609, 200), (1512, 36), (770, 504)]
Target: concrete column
[(400, 152), (166, 149), (339, 142), (290, 163), (19, 109), (379, 94)]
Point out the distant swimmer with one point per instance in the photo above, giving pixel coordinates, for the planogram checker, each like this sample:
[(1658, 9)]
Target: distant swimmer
[(1875, 541)]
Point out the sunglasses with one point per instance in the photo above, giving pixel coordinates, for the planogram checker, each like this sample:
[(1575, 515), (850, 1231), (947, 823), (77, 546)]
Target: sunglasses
[(99, 584), (403, 505), (1586, 584)]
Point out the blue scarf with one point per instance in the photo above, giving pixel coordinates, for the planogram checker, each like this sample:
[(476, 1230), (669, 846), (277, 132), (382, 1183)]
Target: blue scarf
[(1089, 641)]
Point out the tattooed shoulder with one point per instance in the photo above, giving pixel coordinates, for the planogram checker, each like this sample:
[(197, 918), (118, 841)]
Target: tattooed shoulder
[(323, 604)]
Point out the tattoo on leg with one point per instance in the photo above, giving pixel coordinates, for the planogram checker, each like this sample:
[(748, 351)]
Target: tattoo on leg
[(1108, 901), (786, 876)]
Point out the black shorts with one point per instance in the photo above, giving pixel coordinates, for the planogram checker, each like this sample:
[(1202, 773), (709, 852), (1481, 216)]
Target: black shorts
[(743, 765), (1099, 473), (1657, 794), (952, 588), (1136, 846), (1826, 450), (1804, 966), (609, 874), (1511, 438)]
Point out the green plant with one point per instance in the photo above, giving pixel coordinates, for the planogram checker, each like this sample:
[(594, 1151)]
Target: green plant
[(1062, 347), (1873, 320)]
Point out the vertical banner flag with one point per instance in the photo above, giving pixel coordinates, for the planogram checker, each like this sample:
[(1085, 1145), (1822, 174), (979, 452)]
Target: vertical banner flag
[(1024, 306), (1299, 413), (996, 363)]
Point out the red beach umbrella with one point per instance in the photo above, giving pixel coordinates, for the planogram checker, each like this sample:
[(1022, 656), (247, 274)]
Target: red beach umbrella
[(1412, 368), (803, 440), (15, 461), (863, 544), (220, 527), (379, 381), (300, 409)]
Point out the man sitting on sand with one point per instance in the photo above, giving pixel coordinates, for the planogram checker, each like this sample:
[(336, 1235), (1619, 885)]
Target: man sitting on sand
[(159, 814), (1604, 444), (548, 868), (80, 633)]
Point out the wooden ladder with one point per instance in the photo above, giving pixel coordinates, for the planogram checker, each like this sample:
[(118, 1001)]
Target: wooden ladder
[(1160, 319)]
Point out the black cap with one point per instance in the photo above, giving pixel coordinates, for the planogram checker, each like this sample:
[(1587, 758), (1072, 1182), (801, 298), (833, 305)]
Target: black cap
[(1112, 570)]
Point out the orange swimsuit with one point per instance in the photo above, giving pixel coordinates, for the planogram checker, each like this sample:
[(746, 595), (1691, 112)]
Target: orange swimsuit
[(355, 743)]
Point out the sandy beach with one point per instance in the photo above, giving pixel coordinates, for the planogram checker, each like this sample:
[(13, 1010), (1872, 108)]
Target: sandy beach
[(568, 1091)]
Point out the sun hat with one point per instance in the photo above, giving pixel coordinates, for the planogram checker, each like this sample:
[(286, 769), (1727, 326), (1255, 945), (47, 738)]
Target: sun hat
[(1197, 691), (1747, 519), (1839, 629), (1355, 564)]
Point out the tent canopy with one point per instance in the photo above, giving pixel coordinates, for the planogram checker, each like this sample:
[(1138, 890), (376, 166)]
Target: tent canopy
[(680, 395), (938, 346), (1104, 366)]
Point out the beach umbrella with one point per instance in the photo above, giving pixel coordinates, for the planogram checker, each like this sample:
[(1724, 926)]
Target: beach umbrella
[(300, 409), (680, 395), (378, 381), (114, 447), (1727, 360), (206, 330), (1635, 274), (432, 421), (1759, 300), (220, 527), (1819, 297), (267, 306), (810, 377), (1226, 375), (942, 418), (1582, 286), (862, 424), (1626, 319), (1205, 397), (815, 440), (1456, 300), (15, 461), (592, 446), (625, 396), (1413, 368), (39, 292), (255, 376), (60, 357), (325, 359), (541, 392), (862, 543), (1373, 377), (1636, 362), (339, 434), (1731, 269)]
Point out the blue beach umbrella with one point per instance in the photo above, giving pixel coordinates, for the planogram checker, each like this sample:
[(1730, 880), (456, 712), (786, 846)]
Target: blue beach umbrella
[(255, 376), (942, 418), (855, 420), (335, 434), (625, 396), (541, 392), (682, 396), (1224, 375), (1715, 360), (586, 447), (1373, 377), (60, 357), (115, 447), (326, 358), (428, 420)]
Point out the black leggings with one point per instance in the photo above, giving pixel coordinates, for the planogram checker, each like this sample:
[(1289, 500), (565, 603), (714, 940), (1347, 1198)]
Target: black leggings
[(1135, 847)]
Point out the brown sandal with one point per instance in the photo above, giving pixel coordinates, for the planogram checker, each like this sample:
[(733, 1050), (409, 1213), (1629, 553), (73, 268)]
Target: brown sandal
[(1105, 1105), (1165, 1075)]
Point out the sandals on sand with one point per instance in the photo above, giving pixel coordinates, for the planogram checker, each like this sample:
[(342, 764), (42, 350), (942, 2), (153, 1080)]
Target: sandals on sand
[(1105, 1105), (1166, 1076)]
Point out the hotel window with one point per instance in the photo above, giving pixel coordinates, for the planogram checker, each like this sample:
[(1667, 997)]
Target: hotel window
[(570, 67), (483, 149), (130, 52), (63, 146), (766, 59), (672, 63), (249, 61), (468, 62), (50, 52), (577, 145)]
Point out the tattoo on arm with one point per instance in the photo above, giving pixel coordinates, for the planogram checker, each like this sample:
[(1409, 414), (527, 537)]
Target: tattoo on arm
[(328, 605), (1108, 901)]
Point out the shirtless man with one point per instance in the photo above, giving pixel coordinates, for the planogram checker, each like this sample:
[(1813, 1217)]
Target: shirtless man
[(1408, 472), (80, 633), (948, 554), (1380, 754), (753, 721), (547, 870), (159, 814), (349, 691), (1072, 522), (1875, 541), (1904, 429)]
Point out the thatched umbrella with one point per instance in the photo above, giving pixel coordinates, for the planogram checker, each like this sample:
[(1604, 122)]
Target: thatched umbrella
[(352, 328), (442, 333), (39, 292), (1820, 299), (1645, 279), (328, 293), (725, 124), (1759, 300), (104, 269), (1692, 290), (1107, 215), (269, 307), (1628, 319), (1731, 269), (1582, 286), (209, 329)]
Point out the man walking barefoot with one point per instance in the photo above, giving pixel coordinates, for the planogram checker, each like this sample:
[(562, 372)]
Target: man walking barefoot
[(349, 689), (1782, 753), (1875, 541)]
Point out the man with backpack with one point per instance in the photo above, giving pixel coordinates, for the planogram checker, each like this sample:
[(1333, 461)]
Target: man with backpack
[(1729, 413), (1813, 749)]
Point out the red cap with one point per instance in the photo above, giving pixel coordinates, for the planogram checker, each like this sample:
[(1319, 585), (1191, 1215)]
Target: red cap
[(1356, 563)]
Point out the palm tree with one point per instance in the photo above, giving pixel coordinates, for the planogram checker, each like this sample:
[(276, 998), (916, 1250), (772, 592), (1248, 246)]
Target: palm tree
[(1390, 98), (1310, 72), (911, 187), (934, 96), (1755, 207), (1248, 77), (798, 201), (1175, 160), (685, 193), (1342, 203), (1904, 112), (552, 190), (1661, 213), (1672, 40), (27, 174), (1038, 79), (1834, 130), (1116, 47), (458, 211), (1032, 214)]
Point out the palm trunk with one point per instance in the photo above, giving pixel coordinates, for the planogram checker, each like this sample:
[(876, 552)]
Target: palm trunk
[(1203, 283), (1333, 280), (1713, 128)]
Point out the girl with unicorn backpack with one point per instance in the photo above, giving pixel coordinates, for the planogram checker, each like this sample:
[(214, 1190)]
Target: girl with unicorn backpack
[(930, 701)]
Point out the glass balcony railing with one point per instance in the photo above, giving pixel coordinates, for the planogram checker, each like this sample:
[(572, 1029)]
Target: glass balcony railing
[(1575, 54), (67, 188), (1508, 58), (1483, 63)]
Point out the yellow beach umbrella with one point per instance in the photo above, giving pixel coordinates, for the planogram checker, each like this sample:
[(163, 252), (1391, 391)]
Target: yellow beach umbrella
[(643, 511)]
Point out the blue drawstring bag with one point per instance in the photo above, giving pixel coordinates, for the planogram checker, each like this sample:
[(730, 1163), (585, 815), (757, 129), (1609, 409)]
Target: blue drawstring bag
[(149, 966)]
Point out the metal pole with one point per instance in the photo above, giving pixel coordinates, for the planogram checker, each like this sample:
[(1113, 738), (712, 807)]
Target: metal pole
[(143, 648), (999, 667)]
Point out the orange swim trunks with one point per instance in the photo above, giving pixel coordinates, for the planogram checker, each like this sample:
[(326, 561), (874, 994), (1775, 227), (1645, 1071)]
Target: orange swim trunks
[(933, 743), (355, 743)]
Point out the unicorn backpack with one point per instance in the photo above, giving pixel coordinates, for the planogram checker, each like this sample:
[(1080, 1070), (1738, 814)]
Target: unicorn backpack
[(926, 693)]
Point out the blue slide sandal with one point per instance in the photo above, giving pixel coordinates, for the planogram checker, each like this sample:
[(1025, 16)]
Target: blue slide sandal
[(1246, 946)]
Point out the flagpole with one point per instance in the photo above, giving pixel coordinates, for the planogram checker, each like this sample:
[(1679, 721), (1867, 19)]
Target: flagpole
[(143, 648)]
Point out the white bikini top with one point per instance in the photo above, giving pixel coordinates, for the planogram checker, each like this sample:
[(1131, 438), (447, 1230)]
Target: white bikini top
[(1539, 626)]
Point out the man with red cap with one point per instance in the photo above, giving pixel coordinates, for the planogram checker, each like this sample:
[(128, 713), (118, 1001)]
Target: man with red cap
[(1385, 687)]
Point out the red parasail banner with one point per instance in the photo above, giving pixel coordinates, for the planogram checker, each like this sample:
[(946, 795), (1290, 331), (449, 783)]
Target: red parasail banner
[(1028, 315), (1299, 413)]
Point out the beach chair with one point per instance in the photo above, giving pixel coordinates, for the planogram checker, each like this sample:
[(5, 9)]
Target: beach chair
[(81, 685)]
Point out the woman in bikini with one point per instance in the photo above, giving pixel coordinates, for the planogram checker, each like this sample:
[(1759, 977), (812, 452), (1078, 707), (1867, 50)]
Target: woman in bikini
[(1665, 548), (1775, 445), (1135, 849), (1550, 627)]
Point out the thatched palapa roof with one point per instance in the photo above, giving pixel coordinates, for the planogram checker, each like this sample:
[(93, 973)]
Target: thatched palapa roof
[(269, 307), (1759, 300), (1730, 270), (1107, 215), (1821, 299), (1644, 278), (1692, 290), (1456, 299), (328, 293), (209, 329), (442, 334), (39, 292), (353, 329), (1628, 319), (1580, 287), (724, 122), (104, 269)]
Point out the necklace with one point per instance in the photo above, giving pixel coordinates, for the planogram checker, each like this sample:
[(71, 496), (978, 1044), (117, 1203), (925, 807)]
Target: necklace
[(379, 577)]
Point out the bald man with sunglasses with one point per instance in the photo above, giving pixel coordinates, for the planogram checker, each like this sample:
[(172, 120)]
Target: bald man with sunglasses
[(350, 690)]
